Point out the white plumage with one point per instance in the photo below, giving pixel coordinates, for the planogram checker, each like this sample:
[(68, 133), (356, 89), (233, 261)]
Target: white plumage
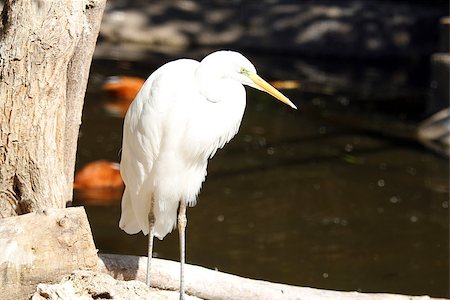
[(184, 112)]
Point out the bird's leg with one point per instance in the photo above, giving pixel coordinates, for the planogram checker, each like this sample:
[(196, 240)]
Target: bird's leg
[(182, 221), (151, 232)]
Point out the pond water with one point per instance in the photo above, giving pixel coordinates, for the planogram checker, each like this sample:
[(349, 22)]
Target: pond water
[(337, 195)]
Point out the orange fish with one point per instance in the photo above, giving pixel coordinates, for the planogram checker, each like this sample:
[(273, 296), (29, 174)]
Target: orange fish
[(124, 89), (99, 181)]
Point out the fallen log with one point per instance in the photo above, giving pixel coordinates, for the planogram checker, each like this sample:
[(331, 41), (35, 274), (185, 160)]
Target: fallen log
[(42, 248), (210, 284)]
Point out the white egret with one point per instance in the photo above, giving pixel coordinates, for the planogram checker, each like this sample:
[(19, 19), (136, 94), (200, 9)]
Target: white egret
[(184, 112)]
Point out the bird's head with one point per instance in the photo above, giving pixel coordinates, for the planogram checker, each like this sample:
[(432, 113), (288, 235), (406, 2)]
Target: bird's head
[(233, 65)]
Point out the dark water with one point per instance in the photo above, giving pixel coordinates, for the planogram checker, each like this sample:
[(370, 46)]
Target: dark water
[(337, 195)]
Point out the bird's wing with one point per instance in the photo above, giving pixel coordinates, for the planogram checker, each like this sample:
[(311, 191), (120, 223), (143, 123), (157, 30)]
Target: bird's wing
[(141, 136), (143, 130)]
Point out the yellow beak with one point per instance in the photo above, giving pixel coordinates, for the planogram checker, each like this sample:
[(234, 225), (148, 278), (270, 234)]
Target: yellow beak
[(265, 86)]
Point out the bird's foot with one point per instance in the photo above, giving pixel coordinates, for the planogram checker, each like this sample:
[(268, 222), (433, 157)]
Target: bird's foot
[(181, 296)]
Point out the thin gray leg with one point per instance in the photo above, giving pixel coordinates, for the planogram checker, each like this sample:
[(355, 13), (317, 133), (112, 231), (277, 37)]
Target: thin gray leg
[(151, 233), (182, 221)]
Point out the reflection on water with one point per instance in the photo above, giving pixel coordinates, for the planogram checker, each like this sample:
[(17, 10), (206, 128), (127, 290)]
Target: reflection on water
[(336, 195)]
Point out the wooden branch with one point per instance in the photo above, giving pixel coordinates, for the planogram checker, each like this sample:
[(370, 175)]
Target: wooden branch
[(209, 284), (45, 55), (42, 248)]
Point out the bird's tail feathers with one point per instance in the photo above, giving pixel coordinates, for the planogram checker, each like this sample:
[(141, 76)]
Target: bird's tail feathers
[(166, 218), (134, 217), (128, 221)]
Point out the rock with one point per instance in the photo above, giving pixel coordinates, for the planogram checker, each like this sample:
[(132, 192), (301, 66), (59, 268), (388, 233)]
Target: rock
[(87, 285)]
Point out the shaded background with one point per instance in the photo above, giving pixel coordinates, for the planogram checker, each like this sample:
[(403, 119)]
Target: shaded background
[(341, 194)]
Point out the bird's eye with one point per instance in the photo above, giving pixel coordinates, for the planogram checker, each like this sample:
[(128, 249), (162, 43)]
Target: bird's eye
[(243, 71)]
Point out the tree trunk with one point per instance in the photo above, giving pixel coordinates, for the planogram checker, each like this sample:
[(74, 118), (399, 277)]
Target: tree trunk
[(46, 49)]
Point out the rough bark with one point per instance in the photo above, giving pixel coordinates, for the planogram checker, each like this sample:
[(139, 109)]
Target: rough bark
[(42, 248), (46, 49)]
